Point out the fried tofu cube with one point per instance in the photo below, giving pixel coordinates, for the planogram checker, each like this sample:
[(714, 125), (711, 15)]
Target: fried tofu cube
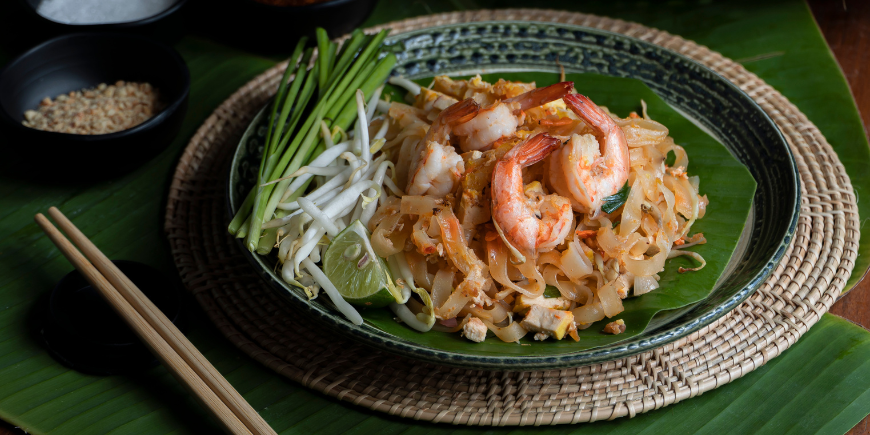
[(552, 322), (474, 330), (524, 303)]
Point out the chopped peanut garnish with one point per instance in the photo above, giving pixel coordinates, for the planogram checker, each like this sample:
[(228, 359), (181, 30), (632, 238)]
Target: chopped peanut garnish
[(617, 327)]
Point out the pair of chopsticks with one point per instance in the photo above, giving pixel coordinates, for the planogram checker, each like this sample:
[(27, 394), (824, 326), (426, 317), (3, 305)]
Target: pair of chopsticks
[(155, 329)]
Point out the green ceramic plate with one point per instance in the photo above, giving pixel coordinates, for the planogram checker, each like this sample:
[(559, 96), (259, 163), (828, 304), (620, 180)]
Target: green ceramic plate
[(745, 166)]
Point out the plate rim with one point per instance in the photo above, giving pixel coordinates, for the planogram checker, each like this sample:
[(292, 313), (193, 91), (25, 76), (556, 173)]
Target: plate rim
[(664, 335)]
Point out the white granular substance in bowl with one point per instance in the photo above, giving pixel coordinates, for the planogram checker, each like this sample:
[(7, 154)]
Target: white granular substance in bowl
[(101, 11)]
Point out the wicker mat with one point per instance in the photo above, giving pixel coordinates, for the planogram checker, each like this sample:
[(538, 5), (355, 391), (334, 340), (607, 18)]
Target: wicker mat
[(804, 285)]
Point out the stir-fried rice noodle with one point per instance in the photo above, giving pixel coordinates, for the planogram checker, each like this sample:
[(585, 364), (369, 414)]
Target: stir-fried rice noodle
[(456, 252)]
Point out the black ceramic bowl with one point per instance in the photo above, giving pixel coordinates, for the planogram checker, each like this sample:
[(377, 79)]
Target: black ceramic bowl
[(166, 25), (268, 28), (82, 331), (84, 60)]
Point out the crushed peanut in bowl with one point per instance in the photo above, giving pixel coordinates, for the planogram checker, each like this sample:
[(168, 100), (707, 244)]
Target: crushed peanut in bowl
[(100, 110)]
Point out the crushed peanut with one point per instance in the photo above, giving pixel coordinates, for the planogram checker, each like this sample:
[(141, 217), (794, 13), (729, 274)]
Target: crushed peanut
[(617, 327), (100, 110)]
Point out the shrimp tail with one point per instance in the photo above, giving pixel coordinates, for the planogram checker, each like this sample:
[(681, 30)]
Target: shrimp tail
[(534, 150), (460, 112), (540, 96), (587, 110)]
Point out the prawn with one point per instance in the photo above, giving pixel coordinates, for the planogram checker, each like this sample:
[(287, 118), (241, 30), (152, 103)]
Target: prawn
[(531, 223), (436, 167), (589, 168), (502, 118)]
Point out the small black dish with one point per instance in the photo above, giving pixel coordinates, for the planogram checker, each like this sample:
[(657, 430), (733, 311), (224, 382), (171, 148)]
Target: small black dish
[(84, 60), (166, 26), (83, 332), (268, 28)]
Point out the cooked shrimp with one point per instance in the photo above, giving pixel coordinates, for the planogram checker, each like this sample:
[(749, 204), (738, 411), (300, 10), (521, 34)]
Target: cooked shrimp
[(590, 168), (436, 167), (531, 223), (502, 118), (433, 102)]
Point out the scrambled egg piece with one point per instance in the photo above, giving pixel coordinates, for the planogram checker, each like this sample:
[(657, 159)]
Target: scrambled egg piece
[(548, 322)]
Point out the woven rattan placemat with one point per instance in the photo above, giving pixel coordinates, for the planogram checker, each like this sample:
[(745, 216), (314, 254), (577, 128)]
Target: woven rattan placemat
[(804, 285)]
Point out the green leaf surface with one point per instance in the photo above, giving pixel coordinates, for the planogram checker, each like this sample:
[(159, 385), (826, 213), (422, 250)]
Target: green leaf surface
[(725, 181), (778, 40), (820, 385)]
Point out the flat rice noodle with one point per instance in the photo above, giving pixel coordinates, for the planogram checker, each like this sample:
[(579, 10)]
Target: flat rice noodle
[(388, 238), (536, 284), (513, 273), (458, 251), (407, 152), (589, 313), (695, 182), (420, 237), (381, 242), (575, 264), (389, 208), (642, 132), (569, 290), (636, 157), (638, 244), (631, 212), (599, 279), (648, 183), (608, 241), (654, 160), (419, 269), (510, 333), (442, 287), (652, 265), (687, 202), (497, 257), (649, 225), (611, 304), (682, 195), (454, 304), (549, 257), (669, 217), (497, 314), (420, 205), (681, 158), (644, 284)]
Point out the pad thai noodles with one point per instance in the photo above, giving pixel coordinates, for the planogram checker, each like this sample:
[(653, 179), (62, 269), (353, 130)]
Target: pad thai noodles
[(498, 207)]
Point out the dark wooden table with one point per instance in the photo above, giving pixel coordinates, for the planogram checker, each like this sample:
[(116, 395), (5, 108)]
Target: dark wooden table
[(846, 27)]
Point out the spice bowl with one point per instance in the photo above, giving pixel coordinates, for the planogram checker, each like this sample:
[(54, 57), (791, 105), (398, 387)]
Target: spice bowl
[(82, 331), (159, 19), (85, 60), (274, 26)]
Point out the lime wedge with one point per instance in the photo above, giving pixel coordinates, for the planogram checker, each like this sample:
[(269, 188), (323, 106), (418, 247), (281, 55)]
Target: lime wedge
[(361, 277)]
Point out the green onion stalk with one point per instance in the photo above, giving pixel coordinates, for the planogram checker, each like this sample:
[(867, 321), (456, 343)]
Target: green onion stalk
[(335, 76)]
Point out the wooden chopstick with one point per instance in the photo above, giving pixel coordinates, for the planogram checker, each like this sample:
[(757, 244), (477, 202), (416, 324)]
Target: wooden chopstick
[(165, 328), (164, 339)]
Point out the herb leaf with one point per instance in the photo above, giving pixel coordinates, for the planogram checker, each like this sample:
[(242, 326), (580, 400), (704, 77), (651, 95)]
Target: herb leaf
[(551, 292), (616, 200)]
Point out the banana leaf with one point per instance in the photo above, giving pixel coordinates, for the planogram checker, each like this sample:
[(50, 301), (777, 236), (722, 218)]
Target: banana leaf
[(820, 385), (725, 181)]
